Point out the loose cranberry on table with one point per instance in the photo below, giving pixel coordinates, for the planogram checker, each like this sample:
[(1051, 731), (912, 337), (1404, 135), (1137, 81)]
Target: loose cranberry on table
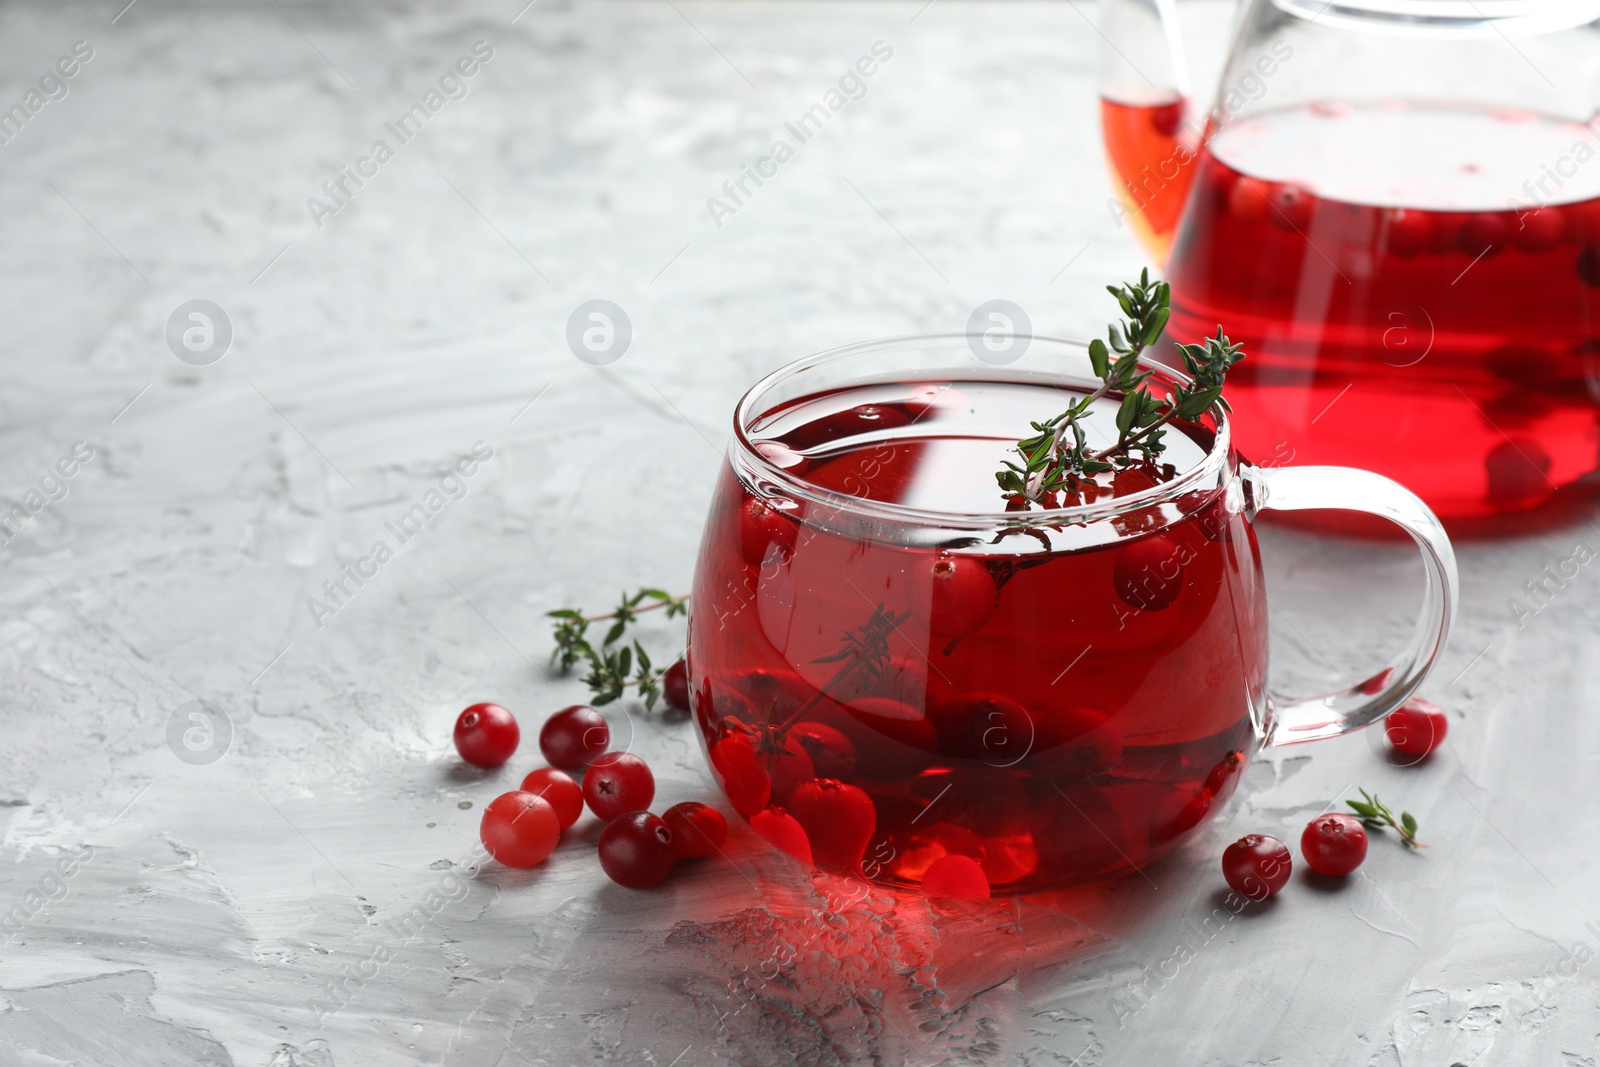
[(618, 783), (574, 736), (486, 735), (558, 787), (1334, 844), (675, 685), (637, 850), (1416, 727), (1256, 866), (519, 829), (698, 830)]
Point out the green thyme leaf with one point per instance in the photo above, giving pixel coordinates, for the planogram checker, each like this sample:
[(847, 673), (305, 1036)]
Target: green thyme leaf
[(1049, 462), (1375, 815)]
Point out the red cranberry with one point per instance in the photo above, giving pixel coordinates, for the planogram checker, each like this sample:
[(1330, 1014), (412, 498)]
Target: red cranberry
[(636, 850), (1148, 573), (574, 736), (617, 783), (744, 781), (1248, 200), (998, 729), (833, 755), (960, 877), (962, 596), (1483, 230), (1222, 775), (1519, 472), (1180, 812), (1447, 227), (1256, 866), (486, 735), (789, 767), (519, 829), (698, 830), (1292, 207), (1588, 266), (1583, 221), (838, 820), (1539, 230), (1074, 741), (764, 522), (1416, 728), (557, 787), (1408, 232), (675, 685), (1334, 844), (783, 831)]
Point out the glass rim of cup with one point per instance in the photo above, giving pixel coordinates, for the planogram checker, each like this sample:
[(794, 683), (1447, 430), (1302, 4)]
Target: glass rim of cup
[(742, 452)]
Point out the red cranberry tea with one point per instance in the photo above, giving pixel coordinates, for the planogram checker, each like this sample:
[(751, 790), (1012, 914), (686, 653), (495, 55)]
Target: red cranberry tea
[(1052, 704), (1408, 304)]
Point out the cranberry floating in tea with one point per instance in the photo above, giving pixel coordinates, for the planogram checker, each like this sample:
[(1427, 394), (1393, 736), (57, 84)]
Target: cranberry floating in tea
[(989, 629), (1411, 257)]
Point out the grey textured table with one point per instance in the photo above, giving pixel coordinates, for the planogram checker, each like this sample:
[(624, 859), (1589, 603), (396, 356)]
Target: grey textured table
[(302, 899)]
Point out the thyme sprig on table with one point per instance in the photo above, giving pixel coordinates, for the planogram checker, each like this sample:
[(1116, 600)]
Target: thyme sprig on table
[(1375, 816), (1058, 453), (614, 660)]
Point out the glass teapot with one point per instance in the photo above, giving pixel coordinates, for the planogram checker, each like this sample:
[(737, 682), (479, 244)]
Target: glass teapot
[(1395, 205)]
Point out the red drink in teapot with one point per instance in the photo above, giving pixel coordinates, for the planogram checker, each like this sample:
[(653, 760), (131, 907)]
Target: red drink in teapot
[(1406, 318), (1398, 217)]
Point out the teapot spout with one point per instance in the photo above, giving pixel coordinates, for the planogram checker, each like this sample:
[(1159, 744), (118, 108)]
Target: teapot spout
[(1145, 112)]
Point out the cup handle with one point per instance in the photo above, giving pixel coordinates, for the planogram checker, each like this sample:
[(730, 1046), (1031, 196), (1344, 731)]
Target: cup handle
[(1347, 489)]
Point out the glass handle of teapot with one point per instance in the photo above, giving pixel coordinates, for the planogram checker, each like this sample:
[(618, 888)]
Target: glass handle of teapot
[(1348, 489)]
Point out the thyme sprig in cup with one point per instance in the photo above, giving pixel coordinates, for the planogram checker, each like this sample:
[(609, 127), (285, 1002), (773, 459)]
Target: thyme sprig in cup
[(1058, 454)]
